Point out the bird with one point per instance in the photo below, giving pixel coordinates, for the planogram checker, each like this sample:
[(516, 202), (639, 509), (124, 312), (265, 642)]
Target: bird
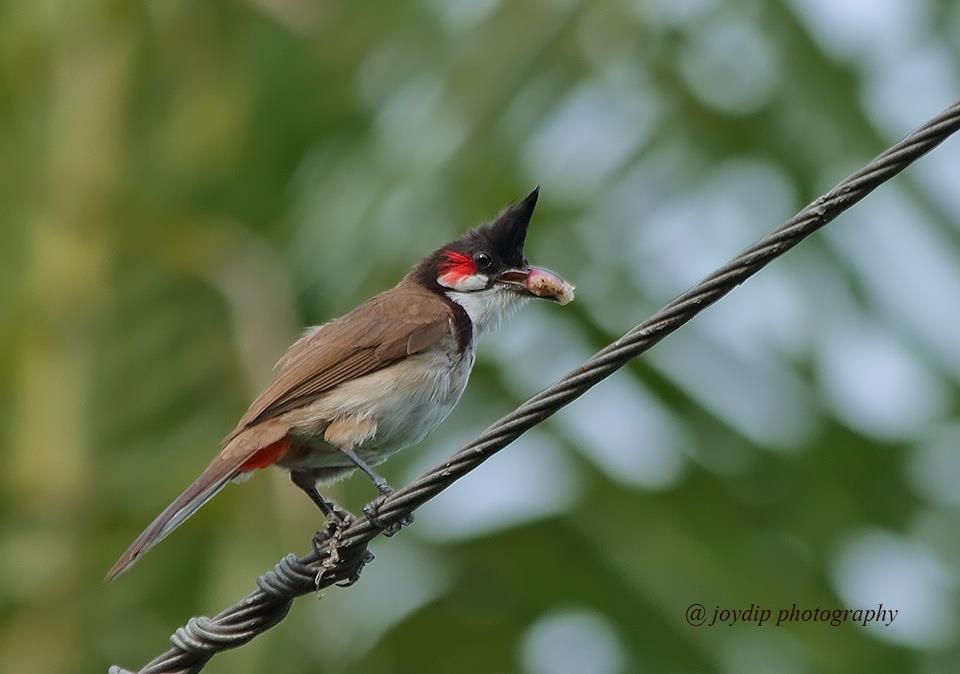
[(352, 391)]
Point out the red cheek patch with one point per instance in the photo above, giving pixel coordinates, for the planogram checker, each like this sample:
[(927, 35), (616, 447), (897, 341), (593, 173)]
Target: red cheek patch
[(456, 267)]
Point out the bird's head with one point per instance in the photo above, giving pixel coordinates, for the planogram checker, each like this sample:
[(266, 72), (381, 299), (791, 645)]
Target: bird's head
[(486, 272)]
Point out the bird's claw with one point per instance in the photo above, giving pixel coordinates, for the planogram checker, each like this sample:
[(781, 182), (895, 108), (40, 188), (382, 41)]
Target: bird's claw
[(372, 509), (354, 576), (338, 520), (330, 536), (345, 517)]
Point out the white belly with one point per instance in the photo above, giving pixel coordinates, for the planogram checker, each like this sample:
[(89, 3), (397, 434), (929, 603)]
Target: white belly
[(405, 402)]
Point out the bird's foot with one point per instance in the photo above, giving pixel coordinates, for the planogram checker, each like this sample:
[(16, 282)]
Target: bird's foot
[(338, 520), (372, 509), (363, 559)]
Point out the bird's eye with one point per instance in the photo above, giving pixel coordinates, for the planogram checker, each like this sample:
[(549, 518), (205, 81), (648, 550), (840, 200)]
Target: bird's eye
[(482, 260)]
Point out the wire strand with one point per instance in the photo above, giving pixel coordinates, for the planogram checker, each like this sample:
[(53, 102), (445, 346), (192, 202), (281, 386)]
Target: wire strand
[(201, 638)]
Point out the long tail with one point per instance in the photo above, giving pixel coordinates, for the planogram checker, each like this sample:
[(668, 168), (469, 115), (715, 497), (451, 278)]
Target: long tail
[(225, 467)]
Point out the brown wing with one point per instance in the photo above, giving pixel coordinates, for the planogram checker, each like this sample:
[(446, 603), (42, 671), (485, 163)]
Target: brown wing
[(378, 333), (381, 331)]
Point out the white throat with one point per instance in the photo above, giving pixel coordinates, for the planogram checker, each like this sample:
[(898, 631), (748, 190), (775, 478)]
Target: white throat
[(487, 309)]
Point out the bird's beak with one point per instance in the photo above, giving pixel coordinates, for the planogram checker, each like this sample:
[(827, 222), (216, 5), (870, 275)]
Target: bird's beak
[(538, 282)]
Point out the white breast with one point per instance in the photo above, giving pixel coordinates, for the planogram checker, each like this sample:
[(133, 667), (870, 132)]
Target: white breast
[(430, 386), (406, 400)]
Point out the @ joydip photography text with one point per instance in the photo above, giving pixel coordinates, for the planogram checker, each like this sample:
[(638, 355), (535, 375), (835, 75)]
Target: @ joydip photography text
[(698, 616)]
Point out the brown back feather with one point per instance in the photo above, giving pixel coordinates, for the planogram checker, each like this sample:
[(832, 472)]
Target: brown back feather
[(405, 320)]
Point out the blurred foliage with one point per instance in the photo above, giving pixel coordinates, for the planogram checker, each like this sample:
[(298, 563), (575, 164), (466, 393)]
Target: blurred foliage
[(185, 185)]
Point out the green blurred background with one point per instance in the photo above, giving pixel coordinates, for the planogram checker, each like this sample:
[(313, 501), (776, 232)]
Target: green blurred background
[(185, 185)]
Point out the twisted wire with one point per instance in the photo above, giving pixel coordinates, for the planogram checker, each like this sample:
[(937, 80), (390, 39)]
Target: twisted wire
[(339, 560)]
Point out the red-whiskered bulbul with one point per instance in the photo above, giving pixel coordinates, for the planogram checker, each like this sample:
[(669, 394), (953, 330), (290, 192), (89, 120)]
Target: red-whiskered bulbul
[(354, 390)]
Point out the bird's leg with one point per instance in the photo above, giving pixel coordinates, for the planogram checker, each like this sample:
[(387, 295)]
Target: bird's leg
[(336, 517), (381, 484), (370, 510), (307, 481)]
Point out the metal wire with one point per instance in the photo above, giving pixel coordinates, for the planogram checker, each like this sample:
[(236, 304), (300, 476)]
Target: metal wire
[(202, 638)]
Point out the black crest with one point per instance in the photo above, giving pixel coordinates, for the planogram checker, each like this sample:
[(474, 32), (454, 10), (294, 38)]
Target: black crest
[(508, 231), (501, 240)]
